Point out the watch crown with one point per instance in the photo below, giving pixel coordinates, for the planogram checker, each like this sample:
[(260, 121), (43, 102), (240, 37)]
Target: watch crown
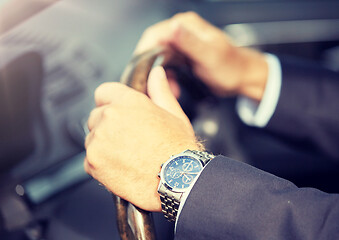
[(158, 175)]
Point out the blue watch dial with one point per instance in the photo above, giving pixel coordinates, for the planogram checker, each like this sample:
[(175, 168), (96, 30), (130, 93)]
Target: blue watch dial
[(180, 172)]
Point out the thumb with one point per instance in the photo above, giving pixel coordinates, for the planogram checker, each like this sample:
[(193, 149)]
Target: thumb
[(160, 93)]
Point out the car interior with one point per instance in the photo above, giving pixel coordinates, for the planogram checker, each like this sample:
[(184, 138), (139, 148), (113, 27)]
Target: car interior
[(53, 55)]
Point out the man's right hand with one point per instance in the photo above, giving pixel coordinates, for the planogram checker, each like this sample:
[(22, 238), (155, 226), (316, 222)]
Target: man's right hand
[(224, 67)]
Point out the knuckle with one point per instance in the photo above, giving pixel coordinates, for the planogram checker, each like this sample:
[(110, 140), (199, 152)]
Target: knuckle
[(92, 113), (107, 113), (87, 141), (99, 91), (92, 156), (96, 135), (192, 14), (103, 94), (91, 117), (102, 87), (118, 87), (129, 97), (87, 166), (92, 139), (148, 31), (185, 16), (178, 16)]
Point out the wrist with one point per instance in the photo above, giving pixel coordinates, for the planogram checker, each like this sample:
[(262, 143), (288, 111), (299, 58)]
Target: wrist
[(165, 154), (180, 147), (254, 74)]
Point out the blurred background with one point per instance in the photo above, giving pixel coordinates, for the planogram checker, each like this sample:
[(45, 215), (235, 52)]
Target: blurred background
[(53, 54)]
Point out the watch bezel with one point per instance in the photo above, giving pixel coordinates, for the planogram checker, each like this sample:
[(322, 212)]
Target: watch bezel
[(173, 158)]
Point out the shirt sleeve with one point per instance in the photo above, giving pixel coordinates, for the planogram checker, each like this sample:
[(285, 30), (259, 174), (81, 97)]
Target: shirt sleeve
[(258, 115)]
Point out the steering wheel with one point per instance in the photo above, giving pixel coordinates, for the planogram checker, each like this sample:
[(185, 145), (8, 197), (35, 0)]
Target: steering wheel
[(133, 222)]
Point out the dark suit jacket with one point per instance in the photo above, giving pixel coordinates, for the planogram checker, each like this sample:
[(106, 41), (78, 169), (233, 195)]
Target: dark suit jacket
[(232, 200), (308, 107)]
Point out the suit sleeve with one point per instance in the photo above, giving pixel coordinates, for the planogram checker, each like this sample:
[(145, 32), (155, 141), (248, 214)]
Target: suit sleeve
[(308, 107), (232, 200)]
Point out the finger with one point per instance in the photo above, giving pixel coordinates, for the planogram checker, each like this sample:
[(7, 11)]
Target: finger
[(188, 39), (166, 32), (154, 36), (192, 21), (194, 35), (174, 86), (173, 83), (160, 93), (95, 117), (110, 92), (88, 139), (87, 166)]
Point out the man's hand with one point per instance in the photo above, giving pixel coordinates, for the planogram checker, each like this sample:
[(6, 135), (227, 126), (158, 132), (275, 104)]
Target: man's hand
[(131, 135), (225, 68)]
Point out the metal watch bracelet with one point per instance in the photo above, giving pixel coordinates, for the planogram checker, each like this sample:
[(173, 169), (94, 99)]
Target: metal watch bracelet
[(170, 200)]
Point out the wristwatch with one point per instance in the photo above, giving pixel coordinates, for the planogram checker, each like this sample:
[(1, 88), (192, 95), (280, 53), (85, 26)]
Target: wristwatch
[(176, 176)]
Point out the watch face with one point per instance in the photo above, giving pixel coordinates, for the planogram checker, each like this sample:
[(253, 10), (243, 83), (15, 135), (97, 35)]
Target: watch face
[(180, 172)]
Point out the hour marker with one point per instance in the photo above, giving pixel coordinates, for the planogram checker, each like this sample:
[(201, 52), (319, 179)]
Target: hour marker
[(183, 186), (170, 181), (196, 166)]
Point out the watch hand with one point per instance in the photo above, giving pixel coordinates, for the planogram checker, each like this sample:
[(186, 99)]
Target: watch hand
[(187, 166), (191, 173)]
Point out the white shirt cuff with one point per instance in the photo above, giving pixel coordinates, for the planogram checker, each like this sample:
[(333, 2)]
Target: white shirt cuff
[(258, 115)]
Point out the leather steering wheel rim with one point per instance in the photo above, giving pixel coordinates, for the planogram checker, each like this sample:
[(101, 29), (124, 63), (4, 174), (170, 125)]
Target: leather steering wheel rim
[(133, 222)]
